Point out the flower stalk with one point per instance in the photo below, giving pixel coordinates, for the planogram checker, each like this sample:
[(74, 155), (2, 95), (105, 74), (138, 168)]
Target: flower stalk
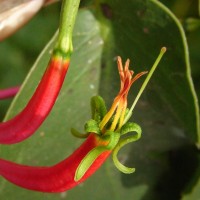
[(31, 117)]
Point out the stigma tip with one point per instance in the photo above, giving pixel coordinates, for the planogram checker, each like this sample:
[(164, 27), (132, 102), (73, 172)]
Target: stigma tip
[(163, 49)]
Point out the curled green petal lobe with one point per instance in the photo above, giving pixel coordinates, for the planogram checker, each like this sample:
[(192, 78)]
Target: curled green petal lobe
[(128, 127), (78, 134), (131, 127), (113, 138), (92, 127), (88, 161), (98, 108)]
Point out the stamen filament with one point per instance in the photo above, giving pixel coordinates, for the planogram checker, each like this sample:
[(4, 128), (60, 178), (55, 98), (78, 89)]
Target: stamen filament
[(138, 76), (121, 119), (117, 115), (108, 115)]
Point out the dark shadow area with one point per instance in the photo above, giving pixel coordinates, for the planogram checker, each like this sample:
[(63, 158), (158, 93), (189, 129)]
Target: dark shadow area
[(183, 163), (179, 165)]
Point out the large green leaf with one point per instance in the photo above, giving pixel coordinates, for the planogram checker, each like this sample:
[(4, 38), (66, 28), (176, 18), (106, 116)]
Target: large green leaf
[(138, 35), (167, 111)]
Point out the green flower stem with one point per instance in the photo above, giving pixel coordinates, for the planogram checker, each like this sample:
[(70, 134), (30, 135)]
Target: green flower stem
[(67, 20), (163, 50)]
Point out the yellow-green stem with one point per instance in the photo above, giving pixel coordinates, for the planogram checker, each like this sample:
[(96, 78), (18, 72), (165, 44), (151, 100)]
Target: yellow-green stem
[(67, 20), (163, 50)]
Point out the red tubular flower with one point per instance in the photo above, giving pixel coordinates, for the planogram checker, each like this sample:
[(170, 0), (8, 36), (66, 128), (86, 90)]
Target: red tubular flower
[(57, 178), (25, 123), (9, 92), (104, 133)]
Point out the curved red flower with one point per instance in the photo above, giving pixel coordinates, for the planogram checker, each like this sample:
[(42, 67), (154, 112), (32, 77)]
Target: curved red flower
[(30, 118)]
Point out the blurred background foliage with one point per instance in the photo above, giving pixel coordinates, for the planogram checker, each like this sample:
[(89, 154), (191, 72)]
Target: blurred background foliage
[(167, 159)]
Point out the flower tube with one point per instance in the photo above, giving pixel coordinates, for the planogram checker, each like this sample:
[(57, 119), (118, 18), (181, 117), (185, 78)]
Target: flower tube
[(31, 117)]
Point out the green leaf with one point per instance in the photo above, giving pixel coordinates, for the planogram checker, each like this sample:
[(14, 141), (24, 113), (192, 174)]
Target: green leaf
[(171, 85), (168, 111)]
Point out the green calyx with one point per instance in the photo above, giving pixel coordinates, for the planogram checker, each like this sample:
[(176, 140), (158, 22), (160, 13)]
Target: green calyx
[(62, 54), (111, 140)]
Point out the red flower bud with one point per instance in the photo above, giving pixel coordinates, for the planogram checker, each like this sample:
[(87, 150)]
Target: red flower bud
[(30, 118)]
